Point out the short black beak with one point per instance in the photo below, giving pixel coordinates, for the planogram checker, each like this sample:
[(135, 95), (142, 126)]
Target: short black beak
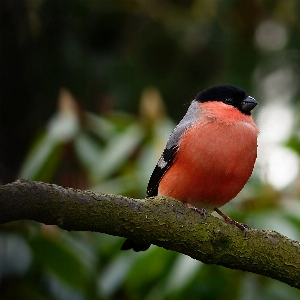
[(248, 104)]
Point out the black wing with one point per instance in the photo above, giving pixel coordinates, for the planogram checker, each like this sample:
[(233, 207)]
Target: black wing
[(161, 168), (169, 154)]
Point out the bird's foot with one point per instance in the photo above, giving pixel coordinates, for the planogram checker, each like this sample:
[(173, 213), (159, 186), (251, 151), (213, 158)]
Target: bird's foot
[(227, 219), (201, 211)]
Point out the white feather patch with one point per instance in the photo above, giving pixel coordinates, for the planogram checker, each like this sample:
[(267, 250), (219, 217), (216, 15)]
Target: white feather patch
[(161, 163)]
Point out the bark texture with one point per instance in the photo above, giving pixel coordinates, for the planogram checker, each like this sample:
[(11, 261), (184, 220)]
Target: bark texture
[(164, 222)]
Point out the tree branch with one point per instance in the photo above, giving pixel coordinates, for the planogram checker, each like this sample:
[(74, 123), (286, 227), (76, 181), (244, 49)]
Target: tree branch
[(164, 222)]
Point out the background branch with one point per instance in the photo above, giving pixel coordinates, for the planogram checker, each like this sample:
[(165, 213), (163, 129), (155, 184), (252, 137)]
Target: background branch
[(161, 221)]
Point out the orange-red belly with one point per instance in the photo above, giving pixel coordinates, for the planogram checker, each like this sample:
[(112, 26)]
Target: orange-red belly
[(213, 164)]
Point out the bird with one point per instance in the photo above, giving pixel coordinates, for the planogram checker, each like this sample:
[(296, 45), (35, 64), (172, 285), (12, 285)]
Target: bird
[(209, 156)]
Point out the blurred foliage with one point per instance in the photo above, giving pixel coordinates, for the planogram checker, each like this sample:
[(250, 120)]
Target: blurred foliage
[(125, 62)]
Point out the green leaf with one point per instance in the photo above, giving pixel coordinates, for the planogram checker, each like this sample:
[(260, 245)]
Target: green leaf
[(89, 152), (118, 150), (60, 259), (113, 276), (42, 160), (15, 255)]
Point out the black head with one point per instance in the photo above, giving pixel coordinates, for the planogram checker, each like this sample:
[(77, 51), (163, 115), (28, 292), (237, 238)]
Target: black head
[(230, 95)]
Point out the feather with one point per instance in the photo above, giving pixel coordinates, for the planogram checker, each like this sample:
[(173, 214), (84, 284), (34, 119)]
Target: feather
[(164, 163)]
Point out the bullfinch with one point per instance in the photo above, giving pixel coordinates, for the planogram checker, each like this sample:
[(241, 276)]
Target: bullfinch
[(210, 154)]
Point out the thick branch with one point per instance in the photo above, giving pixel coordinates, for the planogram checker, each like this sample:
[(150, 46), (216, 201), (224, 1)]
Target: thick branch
[(161, 221)]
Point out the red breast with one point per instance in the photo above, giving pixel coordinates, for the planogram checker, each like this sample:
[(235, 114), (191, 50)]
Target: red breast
[(215, 157)]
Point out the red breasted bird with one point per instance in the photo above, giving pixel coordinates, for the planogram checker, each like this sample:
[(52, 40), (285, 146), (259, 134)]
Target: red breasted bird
[(210, 154)]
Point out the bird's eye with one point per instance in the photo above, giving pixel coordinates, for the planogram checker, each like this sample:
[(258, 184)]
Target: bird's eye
[(228, 100)]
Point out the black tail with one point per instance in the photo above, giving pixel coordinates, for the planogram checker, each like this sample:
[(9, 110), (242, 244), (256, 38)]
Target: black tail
[(130, 244)]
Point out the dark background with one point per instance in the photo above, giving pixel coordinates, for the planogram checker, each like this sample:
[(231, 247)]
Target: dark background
[(90, 90)]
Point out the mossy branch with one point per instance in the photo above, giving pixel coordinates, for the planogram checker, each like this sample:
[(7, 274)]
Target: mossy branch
[(164, 222)]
